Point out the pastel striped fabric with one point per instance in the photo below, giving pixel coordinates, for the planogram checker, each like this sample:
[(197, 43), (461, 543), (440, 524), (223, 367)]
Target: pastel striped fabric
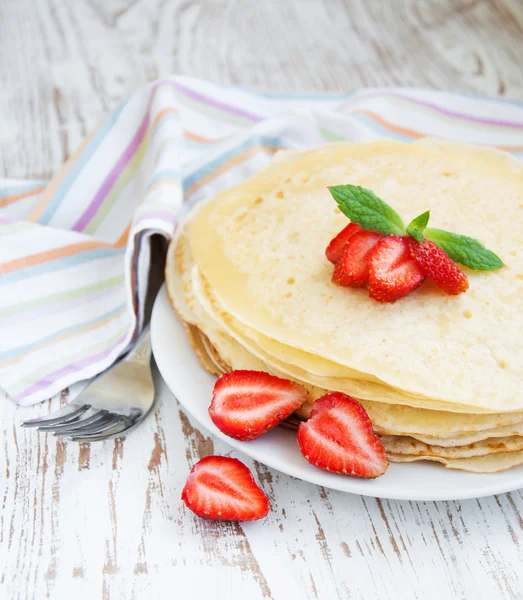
[(75, 251)]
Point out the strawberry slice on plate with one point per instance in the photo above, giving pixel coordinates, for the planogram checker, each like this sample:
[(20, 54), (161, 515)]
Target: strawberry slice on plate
[(224, 489), (339, 437), (393, 273), (439, 267), (352, 269), (338, 243), (247, 404)]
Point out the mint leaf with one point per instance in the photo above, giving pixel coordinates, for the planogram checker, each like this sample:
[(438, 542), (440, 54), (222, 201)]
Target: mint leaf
[(363, 207), (417, 226), (465, 250)]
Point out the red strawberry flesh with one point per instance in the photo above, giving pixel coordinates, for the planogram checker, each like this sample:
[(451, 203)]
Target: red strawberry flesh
[(339, 437), (393, 273), (247, 404), (439, 267), (352, 269), (224, 489), (338, 243)]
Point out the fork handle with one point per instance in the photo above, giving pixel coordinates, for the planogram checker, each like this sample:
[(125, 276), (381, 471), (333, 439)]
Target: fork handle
[(142, 349)]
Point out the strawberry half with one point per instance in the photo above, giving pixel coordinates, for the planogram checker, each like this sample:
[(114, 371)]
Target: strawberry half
[(393, 273), (337, 244), (247, 404), (439, 267), (224, 489), (352, 269), (339, 437)]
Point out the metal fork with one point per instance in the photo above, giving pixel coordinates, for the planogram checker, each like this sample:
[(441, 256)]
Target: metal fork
[(114, 403)]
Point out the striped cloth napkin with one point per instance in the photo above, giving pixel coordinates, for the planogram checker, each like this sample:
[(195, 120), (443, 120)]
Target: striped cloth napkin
[(75, 252)]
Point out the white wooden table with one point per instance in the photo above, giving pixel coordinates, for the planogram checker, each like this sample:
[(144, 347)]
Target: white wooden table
[(106, 521)]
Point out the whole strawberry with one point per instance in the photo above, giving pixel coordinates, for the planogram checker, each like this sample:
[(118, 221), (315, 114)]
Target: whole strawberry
[(438, 267)]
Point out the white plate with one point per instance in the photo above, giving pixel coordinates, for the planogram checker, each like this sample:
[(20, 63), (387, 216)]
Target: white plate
[(192, 386)]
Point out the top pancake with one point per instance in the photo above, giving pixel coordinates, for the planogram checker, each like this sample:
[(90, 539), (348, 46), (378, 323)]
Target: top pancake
[(261, 245)]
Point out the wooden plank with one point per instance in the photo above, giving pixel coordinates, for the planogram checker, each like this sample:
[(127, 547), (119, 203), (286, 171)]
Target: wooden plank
[(106, 520)]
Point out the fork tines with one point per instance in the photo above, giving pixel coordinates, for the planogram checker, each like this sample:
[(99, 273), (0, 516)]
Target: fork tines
[(82, 423)]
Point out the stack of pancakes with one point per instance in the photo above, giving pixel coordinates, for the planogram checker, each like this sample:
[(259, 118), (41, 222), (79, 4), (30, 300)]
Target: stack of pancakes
[(440, 376)]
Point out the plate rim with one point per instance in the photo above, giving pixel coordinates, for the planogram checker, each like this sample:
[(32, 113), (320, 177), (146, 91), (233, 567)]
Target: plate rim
[(162, 308)]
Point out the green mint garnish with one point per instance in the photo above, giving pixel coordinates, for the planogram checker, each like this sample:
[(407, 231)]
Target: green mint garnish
[(365, 208), (465, 250), (417, 226)]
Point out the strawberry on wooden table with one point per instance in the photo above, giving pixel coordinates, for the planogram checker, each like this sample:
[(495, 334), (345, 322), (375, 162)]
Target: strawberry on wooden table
[(247, 404), (339, 437), (352, 269), (338, 243), (224, 489), (438, 267), (393, 273)]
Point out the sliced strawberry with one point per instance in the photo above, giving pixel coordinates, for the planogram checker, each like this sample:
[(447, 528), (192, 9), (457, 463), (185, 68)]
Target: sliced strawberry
[(393, 272), (337, 244), (223, 489), (352, 269), (338, 437), (439, 267), (246, 404)]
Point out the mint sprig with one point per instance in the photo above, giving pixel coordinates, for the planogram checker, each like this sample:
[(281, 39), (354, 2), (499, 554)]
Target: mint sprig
[(362, 206), (417, 226), (465, 250)]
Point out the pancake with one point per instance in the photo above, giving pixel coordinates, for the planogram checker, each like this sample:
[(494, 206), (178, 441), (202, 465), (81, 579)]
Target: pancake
[(400, 448), (260, 247), (470, 438), (438, 375), (196, 338), (399, 445), (442, 426), (196, 304), (407, 449), (493, 463), (361, 389)]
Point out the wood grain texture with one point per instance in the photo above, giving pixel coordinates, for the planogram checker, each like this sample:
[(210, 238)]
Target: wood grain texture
[(106, 520)]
